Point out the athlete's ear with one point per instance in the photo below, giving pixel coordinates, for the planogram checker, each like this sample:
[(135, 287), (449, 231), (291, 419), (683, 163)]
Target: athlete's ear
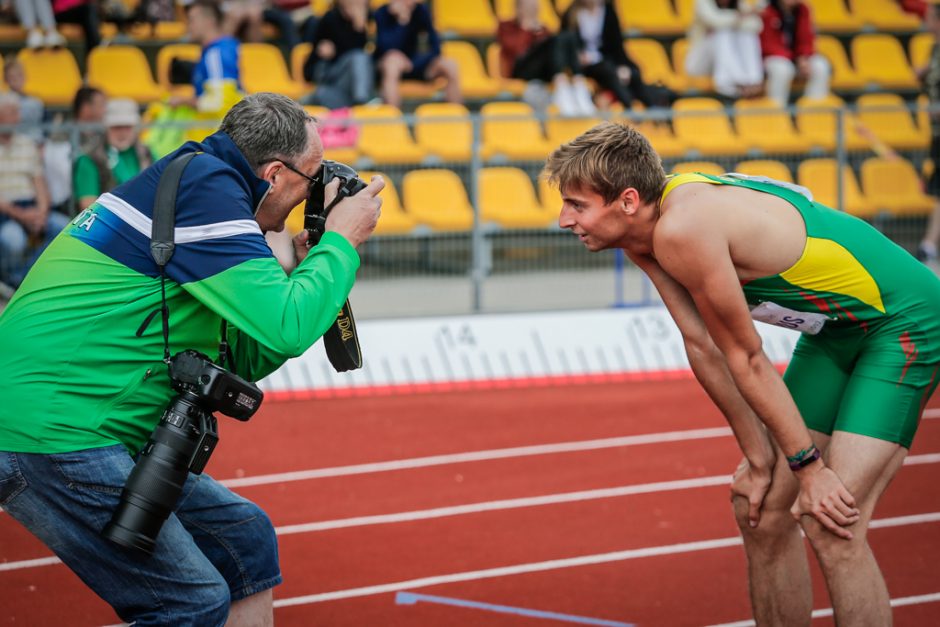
[(629, 200)]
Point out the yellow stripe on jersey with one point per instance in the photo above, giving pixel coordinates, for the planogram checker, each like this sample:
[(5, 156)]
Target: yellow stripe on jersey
[(676, 180), (826, 266)]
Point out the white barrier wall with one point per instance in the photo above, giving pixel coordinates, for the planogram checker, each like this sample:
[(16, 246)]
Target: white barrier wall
[(426, 353)]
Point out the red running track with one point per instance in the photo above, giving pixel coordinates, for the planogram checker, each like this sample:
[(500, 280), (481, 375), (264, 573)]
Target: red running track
[(661, 555)]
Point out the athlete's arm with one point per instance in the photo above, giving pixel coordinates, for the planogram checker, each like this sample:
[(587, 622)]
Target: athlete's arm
[(693, 248)]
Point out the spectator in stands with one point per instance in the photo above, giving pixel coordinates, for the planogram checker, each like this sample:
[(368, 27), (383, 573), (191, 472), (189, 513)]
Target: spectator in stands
[(27, 225), (724, 43), (32, 111), (530, 51), (600, 51), (37, 18), (787, 43), (930, 77), (338, 62), (118, 157), (245, 19), (408, 47), (81, 12)]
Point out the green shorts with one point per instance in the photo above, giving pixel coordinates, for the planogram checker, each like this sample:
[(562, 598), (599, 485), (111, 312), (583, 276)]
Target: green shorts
[(875, 383)]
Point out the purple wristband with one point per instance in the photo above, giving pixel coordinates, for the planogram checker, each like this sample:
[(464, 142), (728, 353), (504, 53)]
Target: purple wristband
[(806, 461)]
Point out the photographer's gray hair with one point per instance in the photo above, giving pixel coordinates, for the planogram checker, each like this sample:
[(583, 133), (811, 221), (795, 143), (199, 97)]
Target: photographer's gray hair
[(267, 126)]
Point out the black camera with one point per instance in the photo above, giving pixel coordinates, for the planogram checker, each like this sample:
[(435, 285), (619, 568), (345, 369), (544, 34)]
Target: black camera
[(181, 443), (314, 212)]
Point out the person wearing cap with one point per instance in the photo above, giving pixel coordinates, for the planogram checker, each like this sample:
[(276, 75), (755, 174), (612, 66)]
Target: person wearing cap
[(116, 157)]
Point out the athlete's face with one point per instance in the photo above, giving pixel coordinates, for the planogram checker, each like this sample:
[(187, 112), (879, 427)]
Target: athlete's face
[(290, 182), (599, 225)]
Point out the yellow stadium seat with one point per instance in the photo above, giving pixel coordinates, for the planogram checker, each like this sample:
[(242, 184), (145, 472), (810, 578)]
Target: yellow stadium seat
[(508, 199), (444, 129), (506, 10), (511, 130), (887, 116), (654, 63), (833, 16), (562, 5), (771, 168), (819, 176), (879, 59), (393, 220), (122, 72), (816, 119), (158, 31), (298, 57), (437, 199), (474, 81), (384, 136), (165, 55), (561, 130), (648, 17), (704, 167), (893, 185), (51, 75), (263, 68), (550, 198), (464, 18), (685, 10), (923, 115), (662, 139), (884, 15), (513, 86), (919, 48), (844, 76), (680, 48), (702, 125), (764, 124)]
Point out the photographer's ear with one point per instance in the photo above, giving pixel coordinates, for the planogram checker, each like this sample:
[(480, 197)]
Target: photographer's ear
[(270, 170)]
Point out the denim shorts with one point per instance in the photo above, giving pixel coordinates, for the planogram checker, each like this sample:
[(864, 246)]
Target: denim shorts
[(216, 548)]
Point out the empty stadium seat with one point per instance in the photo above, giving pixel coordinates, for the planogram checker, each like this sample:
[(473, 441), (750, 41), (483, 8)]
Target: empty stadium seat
[(393, 220), (263, 68), (685, 10), (884, 15), (888, 117), (474, 81), (702, 125), (549, 197), (844, 77), (298, 57), (384, 136), (511, 130), (918, 49), (508, 199), (648, 17), (662, 139), (513, 86), (704, 167), (506, 10), (51, 75), (764, 124), (464, 18), (770, 168), (559, 130), (820, 177), (444, 129), (654, 63), (165, 55), (122, 72), (816, 119), (437, 199), (680, 48), (893, 185), (879, 60), (834, 16)]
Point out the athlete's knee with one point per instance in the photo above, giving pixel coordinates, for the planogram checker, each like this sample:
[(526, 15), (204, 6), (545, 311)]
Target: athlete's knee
[(830, 549), (773, 523)]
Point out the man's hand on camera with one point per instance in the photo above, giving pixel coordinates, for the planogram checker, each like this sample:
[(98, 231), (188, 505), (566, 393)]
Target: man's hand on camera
[(355, 217)]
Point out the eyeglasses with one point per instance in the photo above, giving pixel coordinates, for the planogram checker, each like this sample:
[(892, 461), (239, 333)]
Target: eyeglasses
[(312, 179)]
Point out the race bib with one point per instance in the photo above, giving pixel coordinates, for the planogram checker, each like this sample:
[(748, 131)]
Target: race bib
[(804, 322)]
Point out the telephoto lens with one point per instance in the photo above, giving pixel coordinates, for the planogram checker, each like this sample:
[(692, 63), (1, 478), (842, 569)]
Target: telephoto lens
[(155, 483)]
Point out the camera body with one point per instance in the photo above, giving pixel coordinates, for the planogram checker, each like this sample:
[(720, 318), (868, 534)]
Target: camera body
[(314, 211), (182, 442)]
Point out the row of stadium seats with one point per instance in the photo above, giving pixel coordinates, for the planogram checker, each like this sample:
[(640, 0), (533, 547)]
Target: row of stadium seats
[(510, 131), (509, 200), (877, 60)]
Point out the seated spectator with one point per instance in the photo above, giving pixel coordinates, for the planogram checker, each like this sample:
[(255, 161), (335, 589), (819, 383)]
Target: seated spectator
[(529, 51), (787, 43), (245, 19), (724, 43), (338, 62), (37, 18), (32, 111), (27, 225), (119, 157), (81, 12), (408, 47), (600, 51)]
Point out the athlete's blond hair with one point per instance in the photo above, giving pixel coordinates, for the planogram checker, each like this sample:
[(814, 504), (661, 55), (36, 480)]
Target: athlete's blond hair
[(608, 159)]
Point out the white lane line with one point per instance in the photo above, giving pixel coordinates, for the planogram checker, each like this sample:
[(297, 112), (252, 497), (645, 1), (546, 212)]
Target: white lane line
[(919, 599), (532, 567), (932, 413), (475, 456), (486, 506)]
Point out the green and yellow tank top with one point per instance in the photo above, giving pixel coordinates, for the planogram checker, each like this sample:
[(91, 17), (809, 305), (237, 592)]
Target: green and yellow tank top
[(849, 276)]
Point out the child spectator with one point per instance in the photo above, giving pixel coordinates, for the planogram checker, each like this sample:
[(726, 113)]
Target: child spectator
[(787, 43), (724, 43)]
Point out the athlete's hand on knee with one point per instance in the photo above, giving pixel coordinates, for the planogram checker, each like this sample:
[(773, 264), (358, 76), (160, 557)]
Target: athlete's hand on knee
[(825, 498), (751, 484)]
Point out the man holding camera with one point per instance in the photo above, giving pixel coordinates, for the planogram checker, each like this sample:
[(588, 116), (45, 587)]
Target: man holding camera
[(83, 356)]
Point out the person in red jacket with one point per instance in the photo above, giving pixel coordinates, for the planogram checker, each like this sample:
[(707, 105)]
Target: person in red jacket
[(787, 44)]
